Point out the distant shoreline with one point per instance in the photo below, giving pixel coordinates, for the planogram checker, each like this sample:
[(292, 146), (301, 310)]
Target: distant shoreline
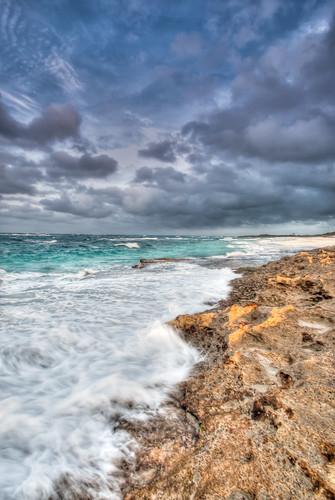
[(261, 235), (266, 235)]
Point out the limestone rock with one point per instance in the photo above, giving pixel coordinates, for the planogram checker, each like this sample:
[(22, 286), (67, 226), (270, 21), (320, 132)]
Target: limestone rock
[(257, 418)]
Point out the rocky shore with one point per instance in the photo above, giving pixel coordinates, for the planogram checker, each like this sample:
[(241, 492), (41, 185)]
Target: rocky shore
[(257, 418)]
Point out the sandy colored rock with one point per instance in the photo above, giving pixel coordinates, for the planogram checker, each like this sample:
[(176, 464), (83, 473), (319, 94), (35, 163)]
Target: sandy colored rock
[(257, 418)]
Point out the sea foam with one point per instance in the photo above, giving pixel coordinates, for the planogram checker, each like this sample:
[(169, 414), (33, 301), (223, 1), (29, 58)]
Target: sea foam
[(78, 355), (132, 244)]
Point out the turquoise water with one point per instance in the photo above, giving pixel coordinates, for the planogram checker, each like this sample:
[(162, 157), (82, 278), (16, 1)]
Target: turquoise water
[(46, 253), (84, 343)]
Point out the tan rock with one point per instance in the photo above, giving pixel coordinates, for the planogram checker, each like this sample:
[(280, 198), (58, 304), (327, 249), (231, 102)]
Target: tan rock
[(257, 418)]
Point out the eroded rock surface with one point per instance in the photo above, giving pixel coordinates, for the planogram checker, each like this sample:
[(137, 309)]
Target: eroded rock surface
[(257, 418)]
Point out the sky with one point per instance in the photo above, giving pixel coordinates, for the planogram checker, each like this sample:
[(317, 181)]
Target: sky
[(162, 117)]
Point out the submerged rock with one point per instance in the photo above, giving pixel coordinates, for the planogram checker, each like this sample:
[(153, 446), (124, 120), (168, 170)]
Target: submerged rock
[(146, 262), (257, 418)]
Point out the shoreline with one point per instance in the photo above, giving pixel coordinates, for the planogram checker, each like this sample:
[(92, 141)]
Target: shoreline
[(256, 419)]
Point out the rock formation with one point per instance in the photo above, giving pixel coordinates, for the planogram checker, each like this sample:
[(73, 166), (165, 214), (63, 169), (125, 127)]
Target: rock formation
[(146, 262), (257, 418)]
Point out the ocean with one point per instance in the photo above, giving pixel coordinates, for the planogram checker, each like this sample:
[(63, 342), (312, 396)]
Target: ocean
[(85, 344)]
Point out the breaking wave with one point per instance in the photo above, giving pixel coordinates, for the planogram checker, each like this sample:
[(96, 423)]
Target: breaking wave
[(132, 244), (80, 355)]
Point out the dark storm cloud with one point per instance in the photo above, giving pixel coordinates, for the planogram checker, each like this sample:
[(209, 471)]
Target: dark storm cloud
[(168, 178), (56, 122), (248, 193), (231, 195), (16, 180), (163, 151), (252, 82), (307, 137), (90, 207), (63, 165), (20, 176), (279, 112), (267, 156), (9, 127)]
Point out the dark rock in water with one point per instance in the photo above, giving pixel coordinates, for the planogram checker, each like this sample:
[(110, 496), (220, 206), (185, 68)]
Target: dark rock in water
[(147, 262)]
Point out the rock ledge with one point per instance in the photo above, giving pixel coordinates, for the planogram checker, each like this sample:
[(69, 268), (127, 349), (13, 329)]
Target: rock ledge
[(257, 418)]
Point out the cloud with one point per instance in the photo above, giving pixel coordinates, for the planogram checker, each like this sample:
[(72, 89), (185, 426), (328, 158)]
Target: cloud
[(78, 204), (303, 140), (234, 195), (9, 127), (229, 195), (278, 112), (66, 166), (16, 180), (245, 90), (56, 122), (187, 44), (163, 151), (19, 175), (168, 178)]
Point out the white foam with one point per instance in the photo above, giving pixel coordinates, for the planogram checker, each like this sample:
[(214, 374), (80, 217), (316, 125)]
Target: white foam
[(229, 255), (138, 238), (269, 248), (132, 244), (86, 273), (148, 238), (237, 254), (78, 354)]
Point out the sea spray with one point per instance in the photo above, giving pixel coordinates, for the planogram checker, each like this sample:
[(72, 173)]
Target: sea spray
[(79, 354)]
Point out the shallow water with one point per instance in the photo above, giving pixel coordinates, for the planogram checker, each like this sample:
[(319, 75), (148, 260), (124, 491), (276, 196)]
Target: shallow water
[(84, 343)]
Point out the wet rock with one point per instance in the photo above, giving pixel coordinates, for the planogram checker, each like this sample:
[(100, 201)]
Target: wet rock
[(146, 262), (257, 418)]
